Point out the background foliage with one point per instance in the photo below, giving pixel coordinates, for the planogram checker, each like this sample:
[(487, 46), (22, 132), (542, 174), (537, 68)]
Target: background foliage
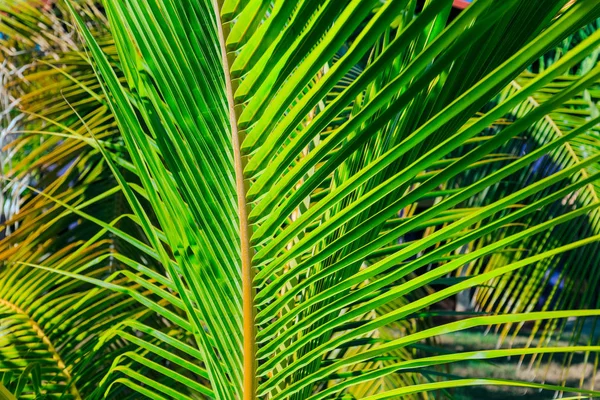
[(295, 199)]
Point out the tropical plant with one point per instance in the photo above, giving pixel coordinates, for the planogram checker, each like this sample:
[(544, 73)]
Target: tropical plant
[(248, 199)]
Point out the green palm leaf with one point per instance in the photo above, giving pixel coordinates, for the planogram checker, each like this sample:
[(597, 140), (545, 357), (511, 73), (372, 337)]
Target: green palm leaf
[(261, 199)]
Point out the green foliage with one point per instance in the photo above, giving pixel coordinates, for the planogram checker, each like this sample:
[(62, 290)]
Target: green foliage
[(283, 199)]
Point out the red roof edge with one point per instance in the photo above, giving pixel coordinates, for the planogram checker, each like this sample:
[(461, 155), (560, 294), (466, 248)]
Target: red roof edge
[(460, 4)]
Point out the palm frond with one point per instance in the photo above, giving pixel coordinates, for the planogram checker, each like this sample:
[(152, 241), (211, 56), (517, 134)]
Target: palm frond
[(298, 186)]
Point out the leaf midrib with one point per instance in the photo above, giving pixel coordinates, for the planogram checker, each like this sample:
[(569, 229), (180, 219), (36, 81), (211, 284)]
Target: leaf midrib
[(250, 382), (37, 329)]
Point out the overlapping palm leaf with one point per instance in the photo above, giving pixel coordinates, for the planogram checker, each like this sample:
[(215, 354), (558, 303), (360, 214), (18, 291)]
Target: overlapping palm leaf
[(52, 324), (289, 219)]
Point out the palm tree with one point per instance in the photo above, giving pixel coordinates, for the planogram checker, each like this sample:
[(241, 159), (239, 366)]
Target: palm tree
[(247, 199)]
